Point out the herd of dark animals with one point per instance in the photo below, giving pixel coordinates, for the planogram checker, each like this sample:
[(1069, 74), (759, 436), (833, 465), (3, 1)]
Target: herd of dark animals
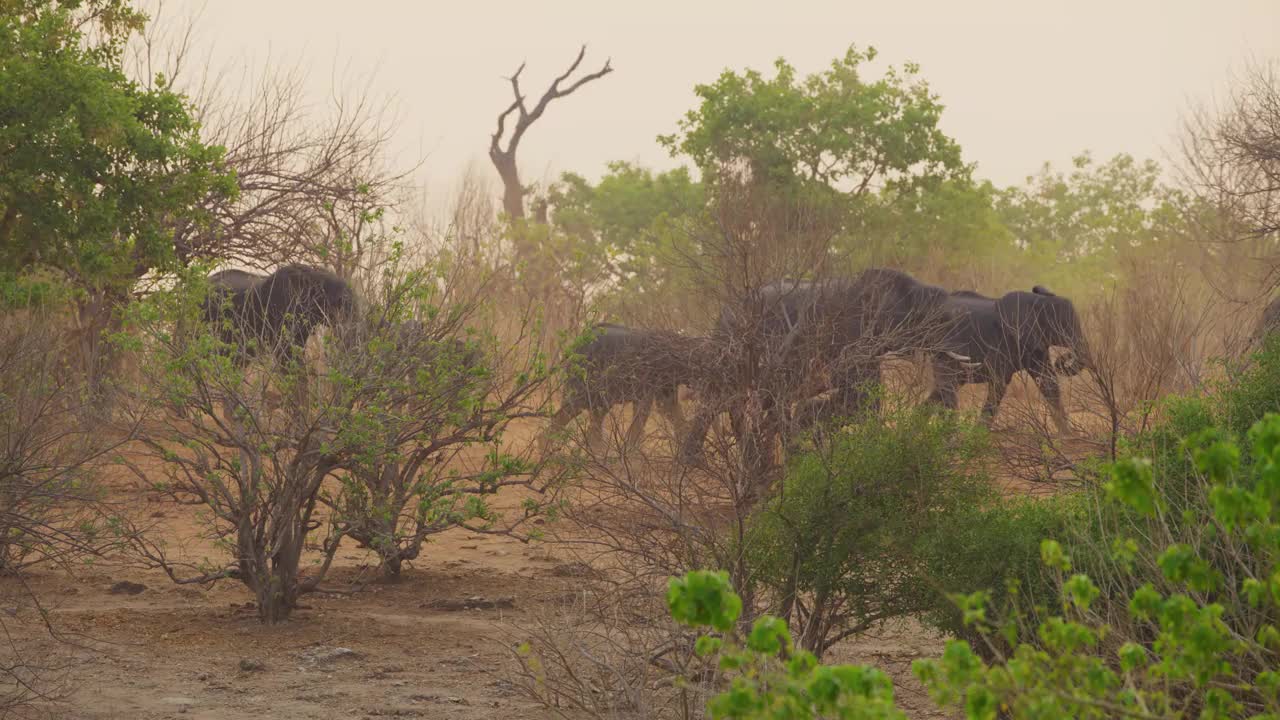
[(844, 327)]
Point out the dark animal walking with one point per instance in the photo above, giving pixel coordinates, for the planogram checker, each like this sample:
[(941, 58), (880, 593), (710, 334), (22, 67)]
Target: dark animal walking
[(1007, 334), (276, 313), (788, 330), (628, 365)]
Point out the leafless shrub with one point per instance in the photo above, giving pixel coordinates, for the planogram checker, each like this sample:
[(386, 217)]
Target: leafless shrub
[(600, 654), (1157, 331), (311, 189), (315, 180), (33, 658), (52, 505), (1230, 160)]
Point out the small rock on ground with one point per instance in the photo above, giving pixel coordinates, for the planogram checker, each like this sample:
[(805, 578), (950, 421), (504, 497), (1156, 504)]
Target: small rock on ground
[(322, 655), (124, 587), (471, 603)]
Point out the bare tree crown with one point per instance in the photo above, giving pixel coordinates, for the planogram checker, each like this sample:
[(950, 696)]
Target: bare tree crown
[(504, 159)]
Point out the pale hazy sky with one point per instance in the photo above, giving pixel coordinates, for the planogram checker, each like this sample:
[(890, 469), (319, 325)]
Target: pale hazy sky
[(1023, 81)]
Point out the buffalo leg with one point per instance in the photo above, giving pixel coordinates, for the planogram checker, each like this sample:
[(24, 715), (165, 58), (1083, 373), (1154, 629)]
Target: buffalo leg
[(1048, 384), (595, 429), (569, 410), (996, 387), (946, 382), (635, 433), (669, 406), (691, 445)]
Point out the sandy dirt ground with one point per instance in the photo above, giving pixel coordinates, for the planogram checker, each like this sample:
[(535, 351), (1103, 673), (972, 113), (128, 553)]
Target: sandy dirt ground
[(383, 650)]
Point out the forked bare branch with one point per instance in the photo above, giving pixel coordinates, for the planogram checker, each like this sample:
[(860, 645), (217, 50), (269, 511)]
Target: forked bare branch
[(504, 159)]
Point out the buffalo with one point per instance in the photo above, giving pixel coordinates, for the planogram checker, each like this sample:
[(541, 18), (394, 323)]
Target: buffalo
[(1007, 334), (277, 311), (622, 365), (843, 326)]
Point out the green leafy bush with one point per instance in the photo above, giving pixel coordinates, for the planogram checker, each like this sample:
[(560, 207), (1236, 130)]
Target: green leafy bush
[(396, 396), (994, 548), (767, 676), (838, 546), (97, 168), (1187, 621), (1202, 636), (1254, 392)]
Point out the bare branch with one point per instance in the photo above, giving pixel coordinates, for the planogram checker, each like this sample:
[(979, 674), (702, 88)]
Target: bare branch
[(504, 159)]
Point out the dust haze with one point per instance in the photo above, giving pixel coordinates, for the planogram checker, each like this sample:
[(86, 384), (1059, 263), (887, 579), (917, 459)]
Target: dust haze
[(635, 361), (1023, 83)]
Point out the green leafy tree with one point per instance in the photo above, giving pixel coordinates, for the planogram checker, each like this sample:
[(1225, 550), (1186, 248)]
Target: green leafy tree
[(96, 170), (625, 232), (1081, 221), (826, 143), (953, 223)]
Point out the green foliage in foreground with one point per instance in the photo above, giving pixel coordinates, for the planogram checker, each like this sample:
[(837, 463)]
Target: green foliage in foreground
[(1198, 657), (842, 546), (1200, 636), (769, 678)]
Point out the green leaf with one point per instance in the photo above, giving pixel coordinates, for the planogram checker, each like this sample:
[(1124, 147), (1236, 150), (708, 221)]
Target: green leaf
[(769, 636), (1052, 555), (704, 598)]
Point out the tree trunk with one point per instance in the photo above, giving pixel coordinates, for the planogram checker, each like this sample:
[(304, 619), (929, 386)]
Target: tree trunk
[(278, 589), (96, 316), (391, 563), (512, 190)]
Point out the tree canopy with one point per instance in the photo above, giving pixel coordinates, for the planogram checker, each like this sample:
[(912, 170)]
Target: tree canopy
[(95, 168), (835, 129)]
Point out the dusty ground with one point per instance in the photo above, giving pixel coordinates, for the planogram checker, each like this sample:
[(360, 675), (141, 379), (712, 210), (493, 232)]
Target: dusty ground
[(385, 650), (185, 652), (171, 651)]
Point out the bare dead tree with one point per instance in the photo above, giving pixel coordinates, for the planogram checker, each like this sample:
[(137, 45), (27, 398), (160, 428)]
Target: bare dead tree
[(1230, 160), (54, 507), (504, 158)]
